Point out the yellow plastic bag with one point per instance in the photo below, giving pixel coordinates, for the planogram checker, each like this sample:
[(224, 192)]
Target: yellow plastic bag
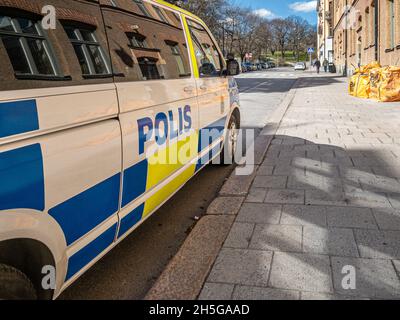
[(374, 83), (369, 66), (353, 84), (362, 88), (389, 89), (359, 85)]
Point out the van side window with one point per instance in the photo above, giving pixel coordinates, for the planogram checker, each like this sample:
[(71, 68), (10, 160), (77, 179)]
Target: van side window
[(91, 56), (209, 61), (74, 53), (27, 47), (142, 47)]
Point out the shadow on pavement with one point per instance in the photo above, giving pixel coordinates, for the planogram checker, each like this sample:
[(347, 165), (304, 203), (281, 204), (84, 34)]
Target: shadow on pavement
[(353, 193)]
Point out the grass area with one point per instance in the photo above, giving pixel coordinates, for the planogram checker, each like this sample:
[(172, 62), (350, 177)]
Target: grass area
[(289, 56)]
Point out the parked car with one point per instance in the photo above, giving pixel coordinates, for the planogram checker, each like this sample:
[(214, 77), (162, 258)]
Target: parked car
[(264, 65), (89, 136), (271, 64), (300, 66)]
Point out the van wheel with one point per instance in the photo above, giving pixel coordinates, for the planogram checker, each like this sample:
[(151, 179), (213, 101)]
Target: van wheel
[(15, 285), (230, 145)]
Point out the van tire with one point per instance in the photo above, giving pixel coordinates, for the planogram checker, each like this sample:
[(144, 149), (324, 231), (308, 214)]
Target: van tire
[(15, 285), (230, 143)]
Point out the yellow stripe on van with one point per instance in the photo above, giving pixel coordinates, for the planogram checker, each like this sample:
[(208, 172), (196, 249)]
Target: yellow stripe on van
[(191, 49), (162, 195), (170, 159)]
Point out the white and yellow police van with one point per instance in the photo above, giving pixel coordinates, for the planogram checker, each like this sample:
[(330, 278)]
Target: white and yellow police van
[(91, 105)]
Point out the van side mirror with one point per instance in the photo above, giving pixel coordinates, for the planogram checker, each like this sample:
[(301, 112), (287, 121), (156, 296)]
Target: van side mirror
[(233, 68)]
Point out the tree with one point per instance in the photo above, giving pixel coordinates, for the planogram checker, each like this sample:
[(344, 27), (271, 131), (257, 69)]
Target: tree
[(240, 30), (246, 32), (211, 12), (297, 34), (280, 31)]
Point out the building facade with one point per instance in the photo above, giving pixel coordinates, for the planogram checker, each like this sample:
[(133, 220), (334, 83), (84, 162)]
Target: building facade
[(325, 30), (362, 31)]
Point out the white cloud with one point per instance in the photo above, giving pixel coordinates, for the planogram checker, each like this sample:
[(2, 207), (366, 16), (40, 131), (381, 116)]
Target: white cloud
[(304, 6), (264, 13)]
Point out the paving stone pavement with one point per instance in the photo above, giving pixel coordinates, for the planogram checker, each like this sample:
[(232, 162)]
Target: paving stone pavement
[(326, 198)]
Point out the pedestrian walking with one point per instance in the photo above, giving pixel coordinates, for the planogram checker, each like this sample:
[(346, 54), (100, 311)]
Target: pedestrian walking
[(325, 65), (317, 64)]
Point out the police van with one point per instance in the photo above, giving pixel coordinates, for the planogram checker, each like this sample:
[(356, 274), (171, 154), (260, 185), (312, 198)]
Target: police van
[(95, 97)]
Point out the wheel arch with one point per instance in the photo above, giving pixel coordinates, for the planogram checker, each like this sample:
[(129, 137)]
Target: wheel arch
[(31, 256), (30, 240)]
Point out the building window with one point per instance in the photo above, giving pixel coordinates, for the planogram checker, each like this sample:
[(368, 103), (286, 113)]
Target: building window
[(176, 52), (161, 14), (138, 41), (27, 47), (148, 66), (142, 7), (91, 56)]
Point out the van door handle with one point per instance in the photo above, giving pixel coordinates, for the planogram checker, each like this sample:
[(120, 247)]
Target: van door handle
[(188, 89), (203, 87)]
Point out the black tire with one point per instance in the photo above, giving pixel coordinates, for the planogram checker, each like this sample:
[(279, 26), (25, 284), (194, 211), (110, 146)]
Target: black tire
[(226, 157), (15, 285)]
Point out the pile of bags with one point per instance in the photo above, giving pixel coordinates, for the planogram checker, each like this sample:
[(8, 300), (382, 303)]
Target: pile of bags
[(376, 82)]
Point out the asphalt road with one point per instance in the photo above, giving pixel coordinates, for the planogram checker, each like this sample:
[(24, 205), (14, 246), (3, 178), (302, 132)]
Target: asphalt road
[(131, 268)]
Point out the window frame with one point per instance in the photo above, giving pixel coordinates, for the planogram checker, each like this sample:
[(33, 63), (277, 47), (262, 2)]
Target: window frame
[(22, 39), (84, 44)]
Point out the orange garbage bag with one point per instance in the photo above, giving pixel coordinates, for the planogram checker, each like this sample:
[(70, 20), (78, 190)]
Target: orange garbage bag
[(389, 89)]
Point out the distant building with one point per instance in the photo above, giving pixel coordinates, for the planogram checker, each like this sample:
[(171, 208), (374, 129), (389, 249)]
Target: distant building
[(362, 30), (325, 30)]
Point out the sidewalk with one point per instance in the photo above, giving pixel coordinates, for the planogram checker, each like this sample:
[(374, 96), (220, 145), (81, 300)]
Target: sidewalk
[(325, 198)]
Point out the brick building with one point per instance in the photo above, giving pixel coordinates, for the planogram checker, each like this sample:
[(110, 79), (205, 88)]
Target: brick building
[(361, 31)]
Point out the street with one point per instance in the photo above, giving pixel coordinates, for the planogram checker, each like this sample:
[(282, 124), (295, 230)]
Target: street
[(130, 269)]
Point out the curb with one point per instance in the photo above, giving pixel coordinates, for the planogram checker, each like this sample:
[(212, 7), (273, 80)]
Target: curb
[(185, 274)]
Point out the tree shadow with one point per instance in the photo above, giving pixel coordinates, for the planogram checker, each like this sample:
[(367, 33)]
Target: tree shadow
[(356, 197)]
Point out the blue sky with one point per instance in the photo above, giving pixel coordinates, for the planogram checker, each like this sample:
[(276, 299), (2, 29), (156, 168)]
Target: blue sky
[(282, 8)]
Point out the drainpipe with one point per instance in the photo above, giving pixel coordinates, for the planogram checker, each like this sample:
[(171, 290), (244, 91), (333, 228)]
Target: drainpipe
[(376, 4), (345, 41)]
